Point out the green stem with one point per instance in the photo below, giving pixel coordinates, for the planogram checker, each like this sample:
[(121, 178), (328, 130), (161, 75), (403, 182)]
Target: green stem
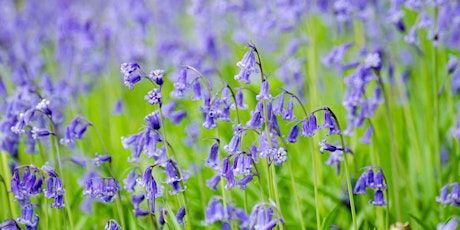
[(6, 196)]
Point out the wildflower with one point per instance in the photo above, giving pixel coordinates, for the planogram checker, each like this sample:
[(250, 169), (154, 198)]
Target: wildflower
[(289, 113), (100, 159), (153, 121), (212, 183), (157, 76), (27, 218), (264, 92), (247, 65), (118, 107), (280, 156), (373, 61), (293, 134), (173, 178), (360, 187), (213, 159), (280, 106), (180, 215), (366, 139), (43, 106), (130, 181), (452, 64), (180, 85), (153, 96), (101, 189), (9, 224), (210, 121), (239, 98), (196, 91), (129, 74), (75, 130), (177, 116), (379, 199), (137, 200), (112, 225), (450, 225), (330, 123), (37, 132)]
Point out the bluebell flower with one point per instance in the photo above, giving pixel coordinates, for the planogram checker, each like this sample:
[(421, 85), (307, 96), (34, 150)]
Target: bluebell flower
[(154, 96), (9, 224), (74, 131), (452, 224), (38, 132), (256, 120), (360, 187), (130, 181), (366, 139), (247, 65), (118, 107), (112, 225), (293, 134), (213, 158), (264, 91), (210, 121), (44, 107), (157, 76), (162, 217), (28, 218), (101, 189), (452, 64), (213, 182), (100, 159), (240, 100), (180, 85), (196, 90), (330, 123), (129, 74), (279, 109), (180, 215), (379, 199), (136, 200), (243, 182), (289, 113), (234, 144), (153, 120), (177, 116), (280, 156)]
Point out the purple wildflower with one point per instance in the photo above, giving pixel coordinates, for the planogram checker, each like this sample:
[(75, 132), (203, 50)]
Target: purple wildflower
[(264, 92), (289, 113), (180, 85), (379, 199), (157, 76), (112, 225), (180, 215), (293, 134), (154, 96), (247, 65)]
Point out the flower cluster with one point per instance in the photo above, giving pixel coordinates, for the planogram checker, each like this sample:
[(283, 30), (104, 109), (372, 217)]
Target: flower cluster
[(101, 189), (216, 212), (376, 182), (452, 198)]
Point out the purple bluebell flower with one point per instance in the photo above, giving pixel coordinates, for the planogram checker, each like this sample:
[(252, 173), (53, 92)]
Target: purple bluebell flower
[(117, 107), (360, 187), (210, 121), (330, 123), (264, 91), (100, 159), (243, 182), (173, 178), (247, 65), (288, 115), (231, 181), (154, 96), (130, 181), (44, 107), (112, 225), (136, 200), (379, 181), (177, 116), (213, 182), (256, 120), (196, 90), (153, 120), (443, 197), (9, 224), (273, 125), (75, 130), (240, 100), (370, 178), (234, 144), (280, 156), (293, 134), (310, 126), (279, 109), (452, 64), (213, 159), (180, 85), (38, 132), (452, 224), (29, 186), (28, 218), (162, 217), (366, 139), (101, 189), (379, 199), (157, 76), (180, 215), (129, 74), (373, 61), (335, 157)]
